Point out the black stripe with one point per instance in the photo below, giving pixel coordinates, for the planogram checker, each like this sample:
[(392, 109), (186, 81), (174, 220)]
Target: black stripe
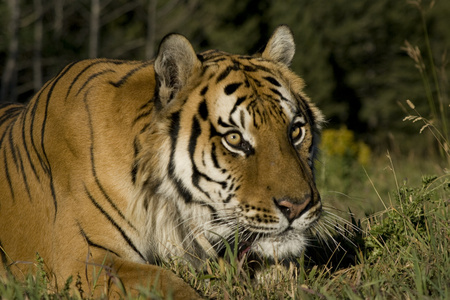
[(10, 113), (92, 244), (92, 77), (33, 116), (174, 129), (136, 147), (222, 123), (146, 110), (44, 123), (214, 156), (33, 168), (224, 74), (261, 68), (123, 80), (142, 116), (3, 256), (257, 82), (203, 110), (275, 91), (196, 174), (134, 170), (12, 146), (8, 177), (134, 173), (236, 105), (144, 128), (240, 100), (146, 104), (156, 97), (200, 57), (272, 80), (196, 131), (3, 136), (24, 176), (232, 87), (94, 171), (213, 131), (250, 69), (111, 220), (81, 73), (6, 104), (203, 91), (96, 62), (306, 108), (217, 59), (152, 186), (230, 196)]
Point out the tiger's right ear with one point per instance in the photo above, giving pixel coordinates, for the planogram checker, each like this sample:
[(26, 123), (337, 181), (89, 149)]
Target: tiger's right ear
[(174, 65), (281, 46)]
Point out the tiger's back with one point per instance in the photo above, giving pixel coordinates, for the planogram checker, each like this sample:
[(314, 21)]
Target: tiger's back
[(68, 160), (124, 164)]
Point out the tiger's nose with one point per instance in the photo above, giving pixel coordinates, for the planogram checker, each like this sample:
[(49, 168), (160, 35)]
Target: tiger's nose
[(293, 208)]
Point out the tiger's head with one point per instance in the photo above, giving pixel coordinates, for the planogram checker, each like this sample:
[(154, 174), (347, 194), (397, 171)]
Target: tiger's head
[(230, 149)]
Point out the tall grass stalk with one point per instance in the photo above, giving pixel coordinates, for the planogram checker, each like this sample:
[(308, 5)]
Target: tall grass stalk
[(439, 115)]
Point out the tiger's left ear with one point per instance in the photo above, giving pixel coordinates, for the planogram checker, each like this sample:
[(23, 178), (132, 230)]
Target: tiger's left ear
[(174, 65), (281, 46)]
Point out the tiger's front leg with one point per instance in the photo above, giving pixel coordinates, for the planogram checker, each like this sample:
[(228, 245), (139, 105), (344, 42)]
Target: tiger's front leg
[(105, 274)]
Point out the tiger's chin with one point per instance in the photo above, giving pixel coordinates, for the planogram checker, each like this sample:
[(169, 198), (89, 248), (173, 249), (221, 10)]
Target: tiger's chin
[(286, 245), (269, 248)]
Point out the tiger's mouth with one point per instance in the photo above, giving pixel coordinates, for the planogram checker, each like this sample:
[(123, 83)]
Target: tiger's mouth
[(248, 246), (259, 245), (244, 248), (288, 243)]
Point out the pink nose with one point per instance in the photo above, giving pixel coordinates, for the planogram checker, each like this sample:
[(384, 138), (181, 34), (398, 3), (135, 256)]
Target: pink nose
[(293, 208)]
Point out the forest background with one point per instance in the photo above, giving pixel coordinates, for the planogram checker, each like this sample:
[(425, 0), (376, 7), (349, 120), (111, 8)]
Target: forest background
[(351, 54)]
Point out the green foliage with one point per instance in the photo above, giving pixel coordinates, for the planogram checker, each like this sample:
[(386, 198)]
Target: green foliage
[(341, 144), (413, 237), (342, 155), (393, 230)]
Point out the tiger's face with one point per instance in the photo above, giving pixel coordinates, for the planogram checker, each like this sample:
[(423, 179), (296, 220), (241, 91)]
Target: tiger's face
[(241, 150)]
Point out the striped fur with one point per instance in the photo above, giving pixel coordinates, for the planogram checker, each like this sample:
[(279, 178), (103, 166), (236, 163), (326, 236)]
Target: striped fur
[(125, 164)]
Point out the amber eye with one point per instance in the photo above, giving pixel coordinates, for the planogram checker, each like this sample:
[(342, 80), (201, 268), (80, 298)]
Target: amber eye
[(233, 139), (295, 132)]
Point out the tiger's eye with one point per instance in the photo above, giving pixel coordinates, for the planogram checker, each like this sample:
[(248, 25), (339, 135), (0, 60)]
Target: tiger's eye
[(295, 132), (233, 138)]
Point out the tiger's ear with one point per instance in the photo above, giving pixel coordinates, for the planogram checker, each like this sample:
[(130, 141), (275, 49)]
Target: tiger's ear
[(281, 46), (174, 64)]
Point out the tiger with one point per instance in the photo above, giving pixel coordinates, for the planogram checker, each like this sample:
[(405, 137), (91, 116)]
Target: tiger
[(115, 167)]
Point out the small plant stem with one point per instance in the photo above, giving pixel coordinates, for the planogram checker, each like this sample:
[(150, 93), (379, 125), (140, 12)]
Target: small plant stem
[(432, 65), (443, 117)]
